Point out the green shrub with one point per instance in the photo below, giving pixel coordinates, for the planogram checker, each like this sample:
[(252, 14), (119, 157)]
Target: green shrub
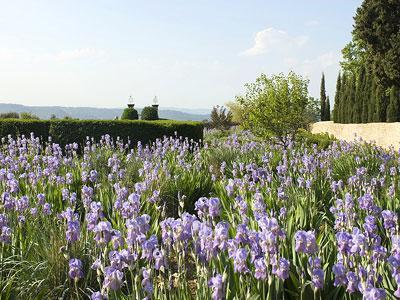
[(129, 114), (149, 113), (68, 131), (9, 115), (322, 140), (28, 116)]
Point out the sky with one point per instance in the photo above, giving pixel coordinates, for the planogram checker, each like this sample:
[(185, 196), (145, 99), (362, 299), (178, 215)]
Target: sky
[(190, 54)]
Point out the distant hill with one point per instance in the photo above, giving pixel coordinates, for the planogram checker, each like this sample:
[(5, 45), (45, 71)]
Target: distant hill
[(45, 112)]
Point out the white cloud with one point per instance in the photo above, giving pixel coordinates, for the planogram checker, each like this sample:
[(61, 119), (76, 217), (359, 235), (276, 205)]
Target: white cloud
[(81, 53), (312, 23), (320, 63), (271, 39)]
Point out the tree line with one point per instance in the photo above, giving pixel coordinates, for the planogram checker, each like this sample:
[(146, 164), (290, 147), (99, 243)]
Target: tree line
[(368, 87), (361, 98)]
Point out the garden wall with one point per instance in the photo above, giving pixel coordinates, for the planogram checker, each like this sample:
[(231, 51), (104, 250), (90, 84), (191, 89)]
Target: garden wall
[(384, 134)]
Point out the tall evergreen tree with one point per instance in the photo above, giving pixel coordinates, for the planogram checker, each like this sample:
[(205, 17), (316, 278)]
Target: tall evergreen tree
[(372, 97), (343, 99), (327, 109), (359, 97), (393, 113), (366, 98), (376, 28), (351, 96), (380, 109), (337, 99), (323, 98)]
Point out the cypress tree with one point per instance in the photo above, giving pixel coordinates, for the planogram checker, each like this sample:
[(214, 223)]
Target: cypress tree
[(392, 114), (353, 104), (327, 109), (342, 104), (350, 99), (337, 99), (378, 104), (366, 99), (359, 98), (323, 98), (384, 103), (371, 105)]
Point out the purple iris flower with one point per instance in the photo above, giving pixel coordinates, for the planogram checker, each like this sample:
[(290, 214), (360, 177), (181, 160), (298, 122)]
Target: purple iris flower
[(75, 269), (305, 242), (217, 287), (260, 269), (146, 281), (239, 261), (340, 275), (113, 278), (98, 296), (281, 268)]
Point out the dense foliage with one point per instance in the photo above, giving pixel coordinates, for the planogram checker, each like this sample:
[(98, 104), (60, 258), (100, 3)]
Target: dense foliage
[(149, 113), (377, 28), (360, 99), (28, 116), (130, 113), (236, 219), (69, 131), (276, 105), (368, 89), (220, 118), (22, 115), (9, 115), (236, 111)]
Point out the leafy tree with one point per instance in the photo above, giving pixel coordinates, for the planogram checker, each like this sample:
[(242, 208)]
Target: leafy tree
[(393, 113), (236, 111), (377, 24), (149, 113), (276, 105), (336, 115), (313, 111), (53, 117), (28, 116), (9, 115), (220, 118), (354, 57), (129, 113), (327, 109), (323, 98)]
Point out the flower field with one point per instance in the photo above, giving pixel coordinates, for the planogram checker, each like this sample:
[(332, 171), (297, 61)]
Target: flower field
[(233, 219)]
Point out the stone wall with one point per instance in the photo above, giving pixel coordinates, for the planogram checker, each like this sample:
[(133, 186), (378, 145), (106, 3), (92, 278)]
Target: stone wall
[(384, 134)]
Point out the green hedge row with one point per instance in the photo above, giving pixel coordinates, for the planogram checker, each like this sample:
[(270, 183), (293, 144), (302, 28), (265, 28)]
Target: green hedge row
[(69, 131)]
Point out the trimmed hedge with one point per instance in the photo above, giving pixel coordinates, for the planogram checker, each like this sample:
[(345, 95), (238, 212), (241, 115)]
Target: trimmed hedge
[(69, 131), (16, 127), (130, 114), (149, 113)]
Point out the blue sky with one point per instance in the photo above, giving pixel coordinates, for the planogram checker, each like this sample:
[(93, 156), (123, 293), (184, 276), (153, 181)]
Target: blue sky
[(192, 54)]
